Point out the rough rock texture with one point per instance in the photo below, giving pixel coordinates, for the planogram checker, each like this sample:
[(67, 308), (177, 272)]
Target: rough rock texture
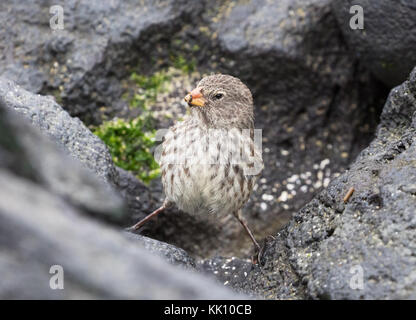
[(83, 63), (328, 244), (39, 228), (138, 198), (387, 43), (83, 190), (273, 279), (168, 252), (76, 140), (55, 122)]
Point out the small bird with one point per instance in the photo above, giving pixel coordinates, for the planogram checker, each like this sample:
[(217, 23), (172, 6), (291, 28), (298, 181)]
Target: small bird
[(209, 161)]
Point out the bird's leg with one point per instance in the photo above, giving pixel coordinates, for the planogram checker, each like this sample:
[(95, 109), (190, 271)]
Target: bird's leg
[(244, 224), (165, 205)]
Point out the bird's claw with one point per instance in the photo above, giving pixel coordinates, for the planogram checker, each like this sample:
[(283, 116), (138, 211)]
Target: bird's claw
[(256, 258), (129, 229), (258, 255), (270, 238)]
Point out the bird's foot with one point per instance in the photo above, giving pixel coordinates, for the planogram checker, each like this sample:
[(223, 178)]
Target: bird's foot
[(139, 224), (129, 229), (257, 258)]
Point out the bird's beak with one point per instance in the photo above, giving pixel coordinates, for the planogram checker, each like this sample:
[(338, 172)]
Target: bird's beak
[(195, 98)]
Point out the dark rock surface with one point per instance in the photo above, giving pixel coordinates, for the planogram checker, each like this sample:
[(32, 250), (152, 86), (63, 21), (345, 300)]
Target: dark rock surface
[(274, 279), (55, 122), (39, 228), (328, 244), (76, 140), (137, 196), (83, 63), (387, 43), (172, 254), (48, 164)]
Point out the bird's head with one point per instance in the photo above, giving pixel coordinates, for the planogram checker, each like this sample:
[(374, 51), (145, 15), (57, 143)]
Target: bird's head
[(222, 101)]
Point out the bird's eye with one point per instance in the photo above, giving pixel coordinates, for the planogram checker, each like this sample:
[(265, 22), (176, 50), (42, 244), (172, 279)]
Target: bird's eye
[(218, 96)]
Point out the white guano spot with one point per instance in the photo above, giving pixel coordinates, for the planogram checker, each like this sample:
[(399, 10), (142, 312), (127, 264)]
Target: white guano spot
[(267, 197), (324, 163), (283, 197)]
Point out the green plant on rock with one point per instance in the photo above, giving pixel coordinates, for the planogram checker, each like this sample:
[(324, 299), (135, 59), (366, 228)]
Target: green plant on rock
[(130, 144), (181, 63), (130, 141), (150, 87)]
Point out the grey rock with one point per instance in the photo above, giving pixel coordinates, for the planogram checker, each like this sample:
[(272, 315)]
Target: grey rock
[(137, 196), (98, 262), (172, 254), (34, 155), (271, 281), (83, 63), (70, 133), (76, 140), (40, 227), (234, 273), (387, 42)]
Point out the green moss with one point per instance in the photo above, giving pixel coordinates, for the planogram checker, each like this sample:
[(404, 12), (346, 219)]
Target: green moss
[(57, 94), (130, 141), (130, 144), (181, 63), (149, 88)]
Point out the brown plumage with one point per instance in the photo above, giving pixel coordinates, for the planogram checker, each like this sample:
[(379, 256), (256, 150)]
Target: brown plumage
[(209, 162)]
